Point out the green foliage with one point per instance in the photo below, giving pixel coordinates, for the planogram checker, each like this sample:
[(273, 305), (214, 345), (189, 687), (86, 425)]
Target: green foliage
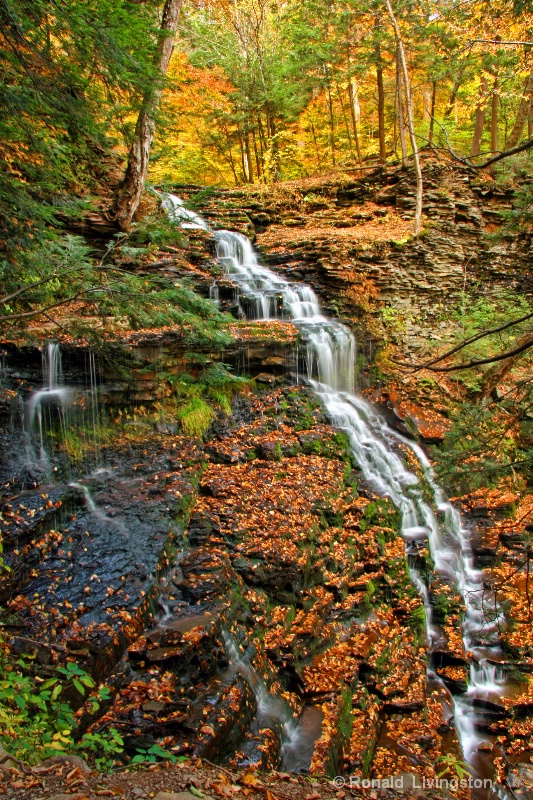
[(197, 397), (441, 607), (35, 722), (366, 602), (453, 763), (417, 620), (196, 417), (62, 270), (480, 447), (153, 754), (72, 82), (478, 312), (69, 86)]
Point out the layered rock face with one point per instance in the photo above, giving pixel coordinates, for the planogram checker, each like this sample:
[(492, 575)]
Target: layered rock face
[(245, 599), (350, 238)]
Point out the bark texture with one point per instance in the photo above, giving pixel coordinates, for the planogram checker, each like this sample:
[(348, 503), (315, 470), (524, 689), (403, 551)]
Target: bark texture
[(481, 113), (381, 97), (410, 120), (524, 113), (130, 190)]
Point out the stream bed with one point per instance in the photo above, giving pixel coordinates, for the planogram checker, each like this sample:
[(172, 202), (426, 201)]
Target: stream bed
[(248, 598)]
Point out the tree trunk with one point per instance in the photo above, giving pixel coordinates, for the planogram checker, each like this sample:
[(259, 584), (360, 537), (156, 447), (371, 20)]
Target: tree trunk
[(230, 154), (319, 160), (410, 121), (453, 94), (275, 150), (331, 121), (250, 163), (345, 118), (399, 100), (232, 164), (256, 153), (129, 193), (524, 110), (481, 113), (381, 103), (353, 111), (243, 157), (494, 107), (432, 112), (262, 140)]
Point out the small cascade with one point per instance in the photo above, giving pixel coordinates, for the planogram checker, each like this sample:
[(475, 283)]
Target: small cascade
[(45, 405), (214, 293), (297, 737), (329, 354), (272, 710), (261, 293), (97, 512), (175, 208)]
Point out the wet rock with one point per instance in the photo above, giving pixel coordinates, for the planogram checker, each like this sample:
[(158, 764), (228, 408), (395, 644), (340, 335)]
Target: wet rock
[(265, 377), (454, 678), (490, 707), (520, 781), (274, 361), (271, 451), (223, 726)]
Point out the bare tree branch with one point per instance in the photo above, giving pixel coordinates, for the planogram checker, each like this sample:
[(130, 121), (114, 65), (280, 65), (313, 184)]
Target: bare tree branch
[(465, 343), (497, 41), (490, 360), (527, 145)]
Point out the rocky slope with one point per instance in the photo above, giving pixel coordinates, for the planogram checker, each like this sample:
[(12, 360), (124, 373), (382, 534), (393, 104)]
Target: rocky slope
[(350, 238), (245, 598)]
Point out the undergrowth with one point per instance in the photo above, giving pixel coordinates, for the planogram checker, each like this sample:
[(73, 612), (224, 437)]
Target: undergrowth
[(36, 722)]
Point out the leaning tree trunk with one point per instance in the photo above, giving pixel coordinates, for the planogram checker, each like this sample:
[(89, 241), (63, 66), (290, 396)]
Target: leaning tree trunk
[(481, 113), (524, 110), (399, 99), (381, 102), (353, 111), (410, 121), (130, 190)]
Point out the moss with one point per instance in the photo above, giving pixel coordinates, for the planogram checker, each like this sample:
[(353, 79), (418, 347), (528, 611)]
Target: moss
[(196, 417)]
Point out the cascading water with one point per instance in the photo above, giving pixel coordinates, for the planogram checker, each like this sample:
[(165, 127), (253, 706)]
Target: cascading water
[(272, 712), (330, 347), (177, 212), (52, 398), (330, 358)]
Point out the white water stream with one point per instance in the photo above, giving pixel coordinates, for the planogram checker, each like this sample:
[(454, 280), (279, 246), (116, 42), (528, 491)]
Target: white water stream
[(52, 397), (330, 357)]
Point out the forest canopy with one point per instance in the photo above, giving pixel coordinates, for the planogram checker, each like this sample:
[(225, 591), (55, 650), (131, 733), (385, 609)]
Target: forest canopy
[(263, 89), (254, 91)]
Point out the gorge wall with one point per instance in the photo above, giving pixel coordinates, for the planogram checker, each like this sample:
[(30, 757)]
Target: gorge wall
[(350, 238)]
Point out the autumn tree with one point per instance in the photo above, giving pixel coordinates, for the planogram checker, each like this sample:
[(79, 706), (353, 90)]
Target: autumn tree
[(129, 194)]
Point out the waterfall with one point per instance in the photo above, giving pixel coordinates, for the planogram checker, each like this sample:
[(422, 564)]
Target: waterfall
[(330, 357), (272, 710), (214, 293), (44, 404), (177, 212)]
